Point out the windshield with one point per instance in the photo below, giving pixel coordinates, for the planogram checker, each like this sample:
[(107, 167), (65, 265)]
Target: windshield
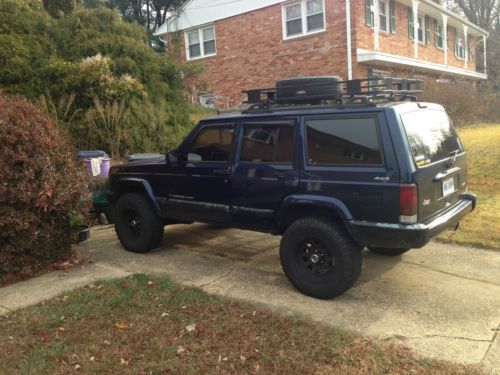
[(431, 136)]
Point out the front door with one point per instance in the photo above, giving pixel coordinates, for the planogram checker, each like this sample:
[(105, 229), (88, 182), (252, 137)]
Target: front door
[(266, 172), (200, 187)]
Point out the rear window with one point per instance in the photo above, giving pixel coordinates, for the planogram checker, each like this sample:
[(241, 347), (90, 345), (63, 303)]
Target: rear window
[(431, 136), (343, 141)]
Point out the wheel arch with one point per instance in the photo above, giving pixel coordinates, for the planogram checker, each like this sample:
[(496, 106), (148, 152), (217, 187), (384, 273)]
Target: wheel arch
[(297, 206), (135, 185)]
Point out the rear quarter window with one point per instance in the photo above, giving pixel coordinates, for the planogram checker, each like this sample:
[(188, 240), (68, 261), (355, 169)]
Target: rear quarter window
[(343, 141), (431, 136)]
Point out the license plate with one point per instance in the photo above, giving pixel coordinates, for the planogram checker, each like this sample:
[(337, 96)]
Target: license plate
[(448, 186)]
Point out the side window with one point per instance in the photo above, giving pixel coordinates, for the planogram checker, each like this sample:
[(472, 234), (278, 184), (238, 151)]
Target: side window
[(343, 141), (263, 143), (213, 143)]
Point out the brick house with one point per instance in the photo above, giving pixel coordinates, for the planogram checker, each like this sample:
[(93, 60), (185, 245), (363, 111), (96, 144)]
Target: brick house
[(245, 44)]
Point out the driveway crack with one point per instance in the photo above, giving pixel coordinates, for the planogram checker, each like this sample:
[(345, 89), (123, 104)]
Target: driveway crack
[(495, 335), (402, 338), (220, 278), (450, 274), (6, 308)]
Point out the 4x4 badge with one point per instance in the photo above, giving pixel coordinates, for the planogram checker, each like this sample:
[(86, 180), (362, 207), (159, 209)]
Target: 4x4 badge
[(426, 202), (382, 179)]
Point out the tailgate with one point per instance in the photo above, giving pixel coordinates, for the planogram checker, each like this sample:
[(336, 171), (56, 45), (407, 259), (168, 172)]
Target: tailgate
[(441, 174), (439, 186)]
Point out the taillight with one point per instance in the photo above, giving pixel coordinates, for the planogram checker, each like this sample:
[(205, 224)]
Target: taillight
[(408, 203)]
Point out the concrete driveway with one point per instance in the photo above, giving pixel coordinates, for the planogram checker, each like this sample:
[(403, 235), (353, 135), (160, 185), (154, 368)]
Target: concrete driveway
[(443, 300)]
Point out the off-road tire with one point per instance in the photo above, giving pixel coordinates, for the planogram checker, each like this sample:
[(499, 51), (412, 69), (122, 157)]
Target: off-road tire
[(387, 252), (346, 263), (151, 231)]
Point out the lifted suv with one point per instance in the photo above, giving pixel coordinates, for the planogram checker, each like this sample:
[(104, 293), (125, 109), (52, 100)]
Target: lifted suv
[(368, 170)]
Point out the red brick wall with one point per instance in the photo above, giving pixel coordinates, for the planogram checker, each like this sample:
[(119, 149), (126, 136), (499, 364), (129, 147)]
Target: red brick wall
[(401, 45), (251, 51)]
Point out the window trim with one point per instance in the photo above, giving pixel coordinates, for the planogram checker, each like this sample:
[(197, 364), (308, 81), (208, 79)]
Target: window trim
[(344, 117), (425, 26), (303, 17), (201, 41), (192, 138), (421, 27), (270, 123), (441, 35), (390, 16), (387, 15), (456, 48)]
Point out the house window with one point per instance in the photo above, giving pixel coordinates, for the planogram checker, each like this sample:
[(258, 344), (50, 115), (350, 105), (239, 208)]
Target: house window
[(387, 15), (423, 27), (438, 34), (200, 43), (420, 28), (383, 6), (303, 17), (459, 45)]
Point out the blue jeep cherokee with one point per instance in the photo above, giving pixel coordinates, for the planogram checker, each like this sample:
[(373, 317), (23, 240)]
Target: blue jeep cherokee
[(333, 167)]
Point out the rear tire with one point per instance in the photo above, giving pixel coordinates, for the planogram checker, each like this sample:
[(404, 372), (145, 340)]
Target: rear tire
[(388, 252), (138, 227), (320, 258)]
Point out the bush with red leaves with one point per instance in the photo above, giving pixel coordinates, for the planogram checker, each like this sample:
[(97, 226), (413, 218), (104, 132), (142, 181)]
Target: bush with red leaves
[(41, 187)]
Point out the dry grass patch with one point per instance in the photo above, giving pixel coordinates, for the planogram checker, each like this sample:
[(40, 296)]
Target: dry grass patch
[(482, 227), (143, 325)]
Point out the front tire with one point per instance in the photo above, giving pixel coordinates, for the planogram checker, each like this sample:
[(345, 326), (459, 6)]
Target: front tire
[(387, 252), (319, 257), (138, 227)]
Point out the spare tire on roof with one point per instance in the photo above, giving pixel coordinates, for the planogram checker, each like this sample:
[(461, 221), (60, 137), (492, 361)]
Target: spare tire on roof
[(308, 88)]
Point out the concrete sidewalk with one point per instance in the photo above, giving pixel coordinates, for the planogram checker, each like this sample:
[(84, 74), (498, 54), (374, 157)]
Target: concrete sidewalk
[(443, 300)]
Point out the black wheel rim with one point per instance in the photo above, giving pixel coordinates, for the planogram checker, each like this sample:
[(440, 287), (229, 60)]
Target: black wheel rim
[(133, 222), (315, 257)]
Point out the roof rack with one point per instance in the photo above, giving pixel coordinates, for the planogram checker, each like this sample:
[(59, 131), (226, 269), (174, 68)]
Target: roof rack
[(368, 91)]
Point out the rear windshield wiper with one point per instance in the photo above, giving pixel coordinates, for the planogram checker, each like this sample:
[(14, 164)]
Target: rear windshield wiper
[(453, 154)]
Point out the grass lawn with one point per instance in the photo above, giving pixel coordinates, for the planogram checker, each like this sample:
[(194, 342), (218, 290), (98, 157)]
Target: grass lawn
[(143, 325), (482, 227)]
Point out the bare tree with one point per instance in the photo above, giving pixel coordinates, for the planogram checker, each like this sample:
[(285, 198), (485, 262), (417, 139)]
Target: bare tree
[(484, 13)]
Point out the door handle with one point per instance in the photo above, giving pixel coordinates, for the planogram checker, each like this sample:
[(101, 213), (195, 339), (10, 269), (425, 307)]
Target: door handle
[(285, 175), (223, 172), (444, 174)]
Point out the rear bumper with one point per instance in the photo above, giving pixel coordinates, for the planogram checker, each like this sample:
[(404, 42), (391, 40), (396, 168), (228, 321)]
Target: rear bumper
[(389, 235)]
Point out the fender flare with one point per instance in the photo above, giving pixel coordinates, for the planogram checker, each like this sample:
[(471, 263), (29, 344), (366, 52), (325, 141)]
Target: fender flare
[(137, 184), (309, 200)]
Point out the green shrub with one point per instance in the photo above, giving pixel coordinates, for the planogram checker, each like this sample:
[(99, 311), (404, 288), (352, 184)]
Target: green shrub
[(42, 189), (86, 64)]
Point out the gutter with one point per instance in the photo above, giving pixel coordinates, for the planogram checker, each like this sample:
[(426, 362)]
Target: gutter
[(455, 16), (349, 38), (176, 14)]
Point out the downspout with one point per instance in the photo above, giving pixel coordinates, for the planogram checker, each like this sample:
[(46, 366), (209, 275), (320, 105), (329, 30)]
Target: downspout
[(349, 38)]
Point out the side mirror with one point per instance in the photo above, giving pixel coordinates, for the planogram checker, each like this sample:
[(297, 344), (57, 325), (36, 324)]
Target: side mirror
[(173, 157)]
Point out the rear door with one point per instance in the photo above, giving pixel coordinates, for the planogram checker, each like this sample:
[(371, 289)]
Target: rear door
[(266, 170), (440, 162), (350, 158)]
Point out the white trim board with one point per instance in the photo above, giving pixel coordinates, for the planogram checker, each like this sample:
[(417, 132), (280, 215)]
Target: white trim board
[(195, 13), (199, 12), (366, 56)]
